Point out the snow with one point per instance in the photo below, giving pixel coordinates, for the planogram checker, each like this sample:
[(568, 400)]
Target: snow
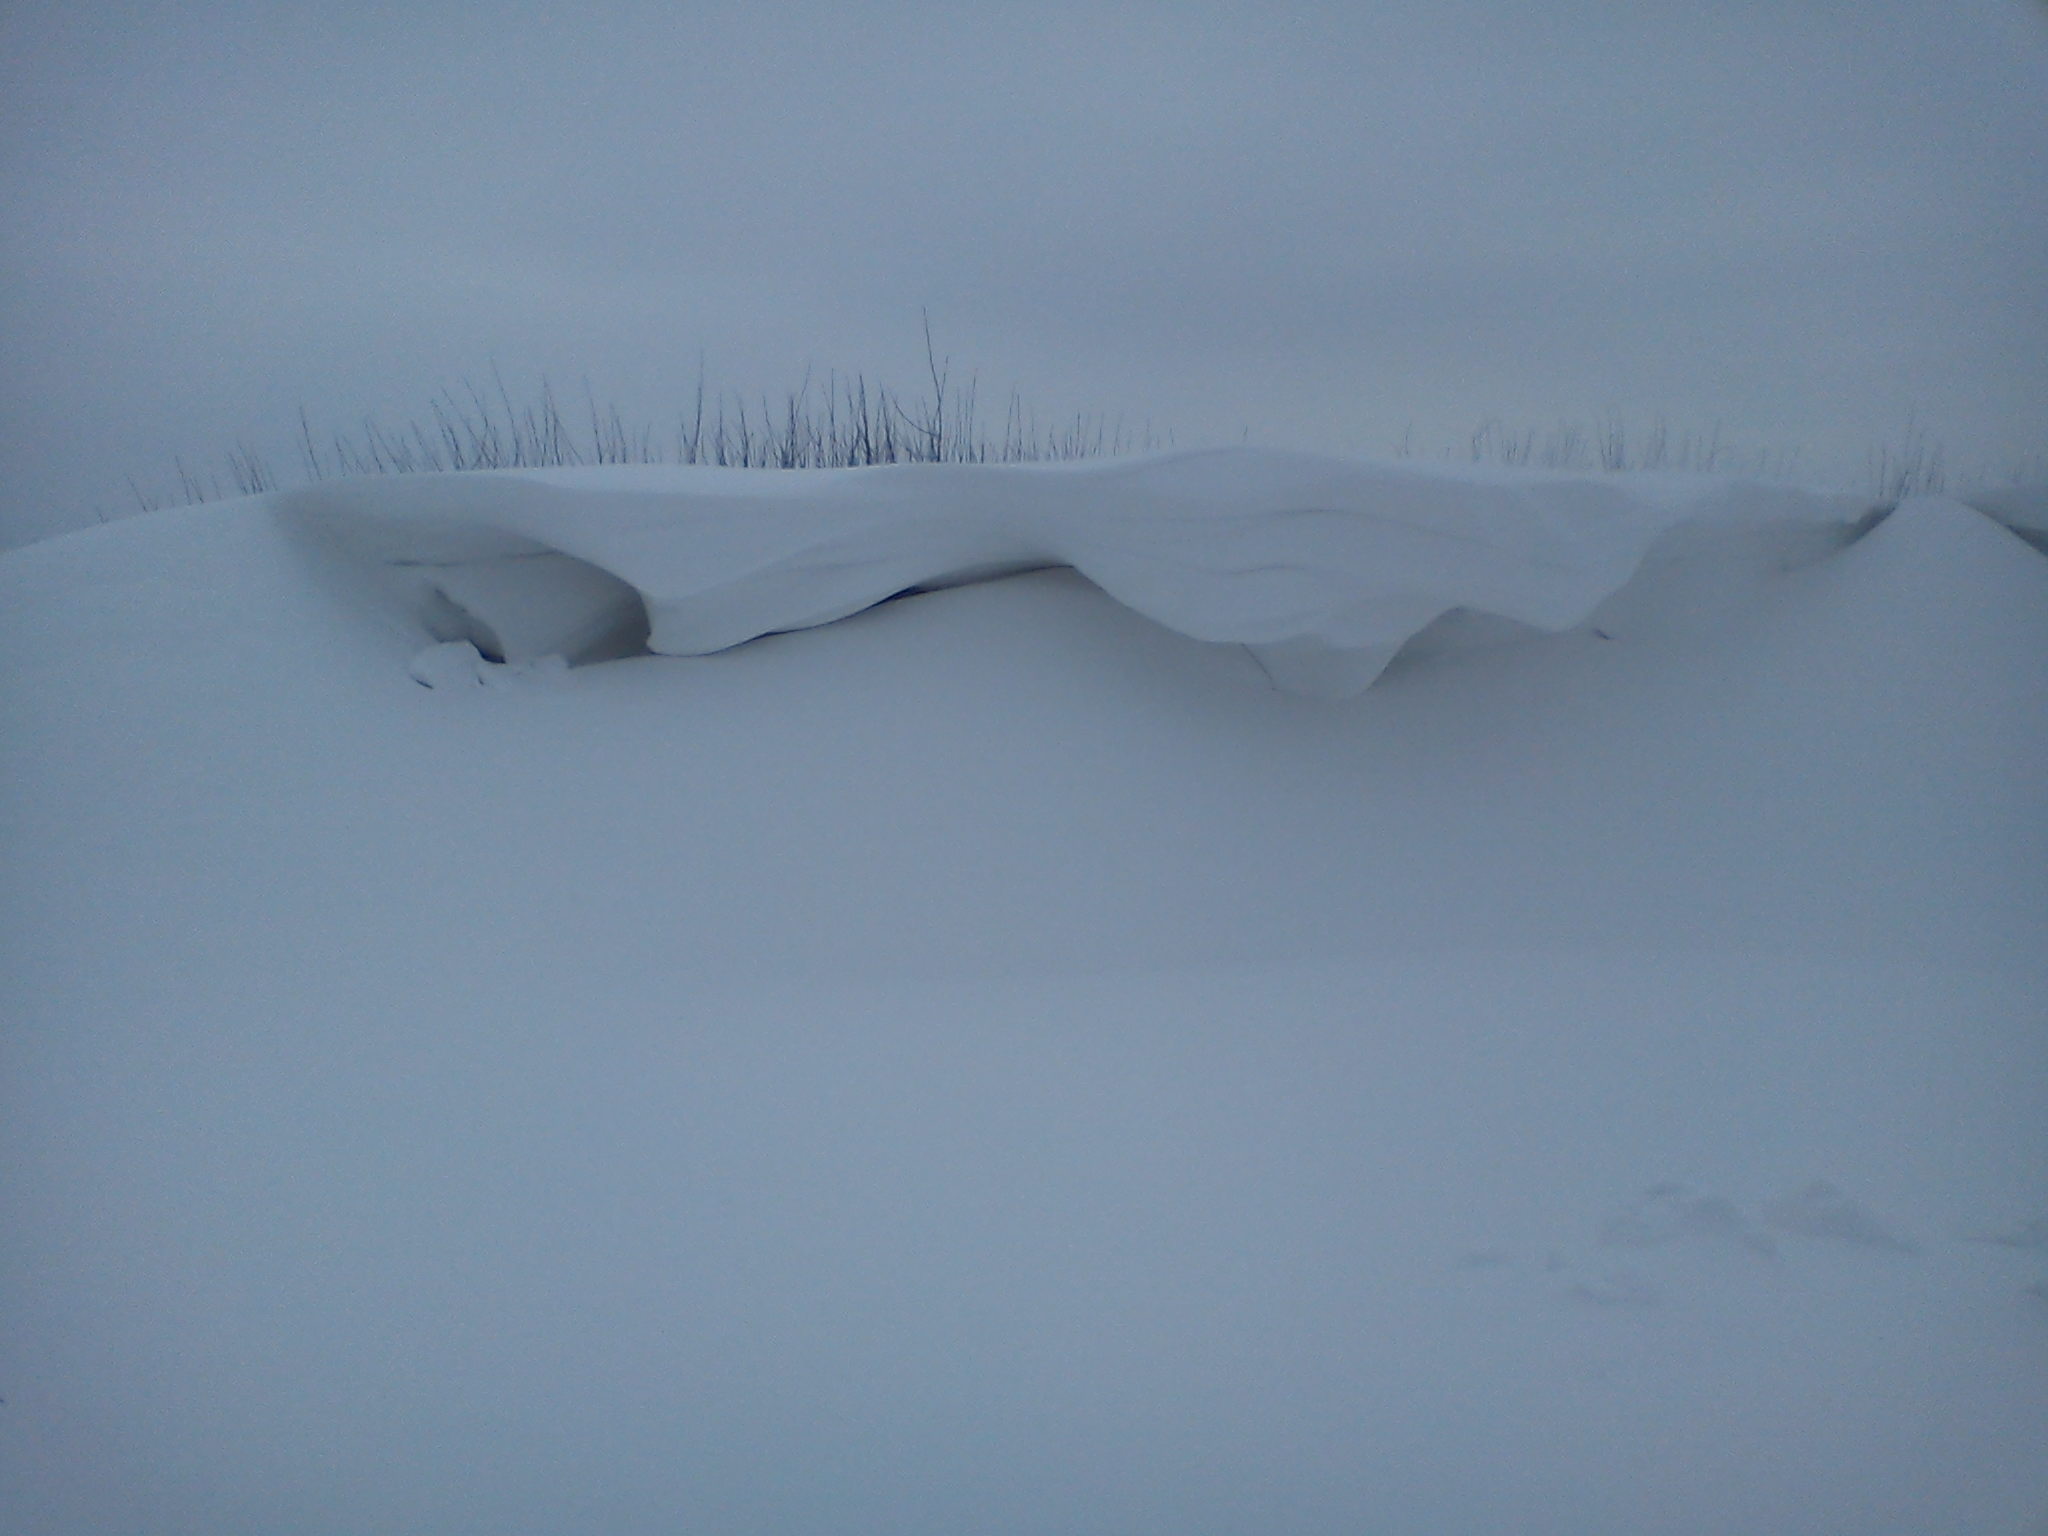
[(2022, 508), (1323, 567), (997, 1062)]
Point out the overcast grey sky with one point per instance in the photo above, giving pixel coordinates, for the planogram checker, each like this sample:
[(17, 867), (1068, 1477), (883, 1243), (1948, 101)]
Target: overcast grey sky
[(1306, 224)]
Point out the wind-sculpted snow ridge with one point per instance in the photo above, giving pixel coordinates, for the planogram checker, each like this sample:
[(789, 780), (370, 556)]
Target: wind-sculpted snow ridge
[(1322, 567), (2021, 508)]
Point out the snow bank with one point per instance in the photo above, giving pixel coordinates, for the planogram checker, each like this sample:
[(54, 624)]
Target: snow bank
[(2022, 508), (995, 1065), (1323, 567)]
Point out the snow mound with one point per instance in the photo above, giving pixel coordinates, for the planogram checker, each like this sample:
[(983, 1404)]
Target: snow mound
[(1322, 567), (2022, 508)]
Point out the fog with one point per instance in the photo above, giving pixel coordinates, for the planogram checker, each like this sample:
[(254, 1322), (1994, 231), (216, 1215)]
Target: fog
[(1819, 227)]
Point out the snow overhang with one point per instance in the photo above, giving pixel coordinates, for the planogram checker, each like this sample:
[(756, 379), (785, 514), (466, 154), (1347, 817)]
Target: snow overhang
[(1323, 567)]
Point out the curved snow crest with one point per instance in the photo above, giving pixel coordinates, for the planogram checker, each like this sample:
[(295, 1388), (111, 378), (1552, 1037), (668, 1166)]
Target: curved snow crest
[(2021, 508), (1322, 566)]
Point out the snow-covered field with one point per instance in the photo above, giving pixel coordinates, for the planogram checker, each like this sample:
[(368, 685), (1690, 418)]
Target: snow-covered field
[(1050, 1054)]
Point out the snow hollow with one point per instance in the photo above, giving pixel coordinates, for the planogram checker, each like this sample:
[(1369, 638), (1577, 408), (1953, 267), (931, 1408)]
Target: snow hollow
[(1221, 992)]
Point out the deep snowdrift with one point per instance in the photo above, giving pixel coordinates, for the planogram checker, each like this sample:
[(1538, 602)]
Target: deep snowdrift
[(1322, 567), (996, 1063)]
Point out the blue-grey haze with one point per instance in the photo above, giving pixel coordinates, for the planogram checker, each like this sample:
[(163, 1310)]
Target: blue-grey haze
[(1309, 224)]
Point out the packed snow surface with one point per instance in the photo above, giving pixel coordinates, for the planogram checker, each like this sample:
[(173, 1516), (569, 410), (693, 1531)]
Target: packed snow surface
[(995, 1062), (1322, 567)]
